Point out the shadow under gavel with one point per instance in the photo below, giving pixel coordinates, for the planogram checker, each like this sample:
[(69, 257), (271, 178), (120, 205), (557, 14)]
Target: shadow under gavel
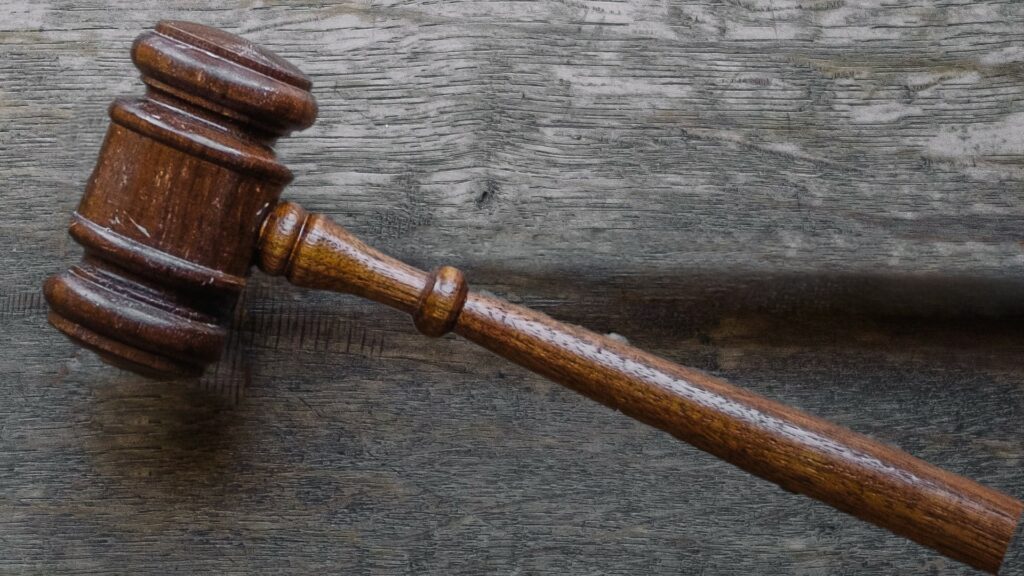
[(184, 199)]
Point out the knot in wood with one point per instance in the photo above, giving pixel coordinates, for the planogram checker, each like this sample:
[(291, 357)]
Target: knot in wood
[(441, 301)]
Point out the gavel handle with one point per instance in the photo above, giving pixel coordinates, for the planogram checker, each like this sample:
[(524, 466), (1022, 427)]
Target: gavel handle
[(851, 472)]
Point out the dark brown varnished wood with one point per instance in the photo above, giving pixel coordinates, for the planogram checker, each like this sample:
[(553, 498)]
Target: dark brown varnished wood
[(178, 206), (170, 214), (851, 472)]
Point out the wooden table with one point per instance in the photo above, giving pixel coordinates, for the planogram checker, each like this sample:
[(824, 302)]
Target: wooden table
[(819, 200)]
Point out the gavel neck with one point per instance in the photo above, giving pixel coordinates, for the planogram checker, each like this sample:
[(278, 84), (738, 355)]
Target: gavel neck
[(312, 251)]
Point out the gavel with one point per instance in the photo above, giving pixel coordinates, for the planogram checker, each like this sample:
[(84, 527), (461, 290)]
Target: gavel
[(184, 199)]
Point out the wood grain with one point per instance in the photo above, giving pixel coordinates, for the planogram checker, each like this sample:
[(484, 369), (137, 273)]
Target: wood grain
[(802, 454), (170, 215), (821, 201)]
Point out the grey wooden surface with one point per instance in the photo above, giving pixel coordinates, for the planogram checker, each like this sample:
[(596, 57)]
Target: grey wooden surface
[(817, 199)]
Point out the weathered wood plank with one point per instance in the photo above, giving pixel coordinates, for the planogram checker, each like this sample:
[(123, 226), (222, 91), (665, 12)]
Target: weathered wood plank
[(819, 200)]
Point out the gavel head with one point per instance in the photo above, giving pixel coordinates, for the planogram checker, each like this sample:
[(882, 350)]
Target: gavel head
[(171, 213)]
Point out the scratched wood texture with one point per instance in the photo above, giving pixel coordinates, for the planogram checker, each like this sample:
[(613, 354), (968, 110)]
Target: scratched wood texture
[(817, 199)]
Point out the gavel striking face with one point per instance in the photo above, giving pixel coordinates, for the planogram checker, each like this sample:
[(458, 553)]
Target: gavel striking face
[(184, 200)]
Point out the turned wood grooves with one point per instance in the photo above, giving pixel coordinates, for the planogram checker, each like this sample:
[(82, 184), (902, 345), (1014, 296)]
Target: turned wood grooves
[(313, 252), (441, 302), (171, 212)]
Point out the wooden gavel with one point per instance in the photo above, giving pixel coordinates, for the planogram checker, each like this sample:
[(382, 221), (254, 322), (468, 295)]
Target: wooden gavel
[(184, 199)]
